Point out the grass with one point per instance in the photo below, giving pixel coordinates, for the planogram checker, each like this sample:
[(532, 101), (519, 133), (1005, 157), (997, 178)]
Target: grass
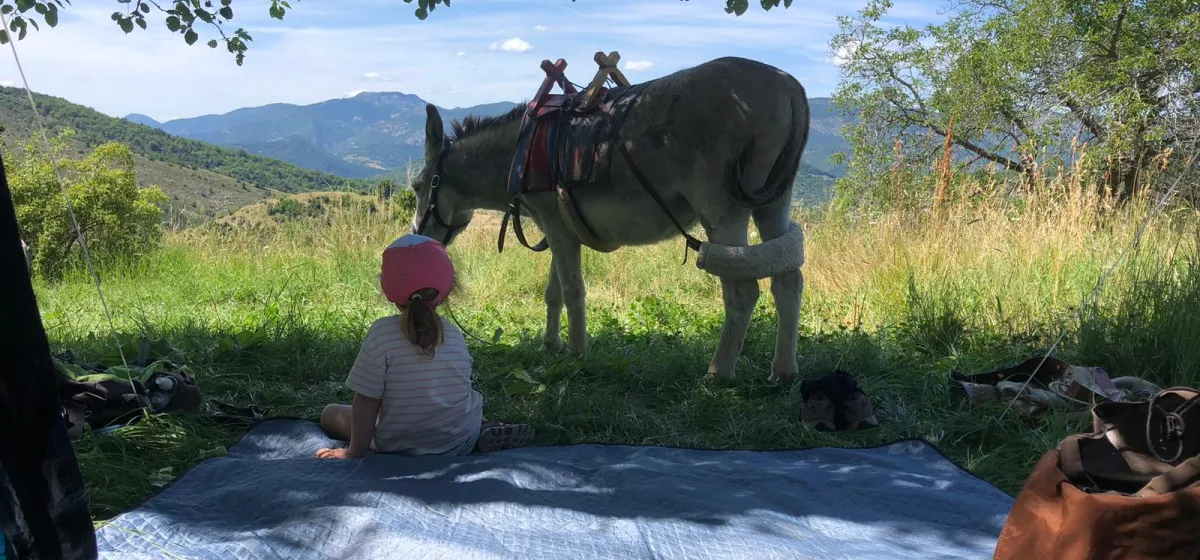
[(899, 299)]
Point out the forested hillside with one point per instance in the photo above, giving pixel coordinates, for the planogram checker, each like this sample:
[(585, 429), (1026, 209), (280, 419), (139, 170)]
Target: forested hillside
[(202, 177)]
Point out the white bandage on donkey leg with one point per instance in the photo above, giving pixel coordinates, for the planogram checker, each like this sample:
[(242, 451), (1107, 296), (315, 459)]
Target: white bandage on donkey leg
[(753, 262)]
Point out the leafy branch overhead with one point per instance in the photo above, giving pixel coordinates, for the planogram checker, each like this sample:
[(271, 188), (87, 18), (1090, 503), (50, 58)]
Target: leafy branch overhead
[(182, 16)]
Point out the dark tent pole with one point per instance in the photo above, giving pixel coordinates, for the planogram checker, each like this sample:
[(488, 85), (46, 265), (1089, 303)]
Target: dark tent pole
[(43, 508)]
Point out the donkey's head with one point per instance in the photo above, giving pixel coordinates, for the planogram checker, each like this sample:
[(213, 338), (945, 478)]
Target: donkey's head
[(442, 210)]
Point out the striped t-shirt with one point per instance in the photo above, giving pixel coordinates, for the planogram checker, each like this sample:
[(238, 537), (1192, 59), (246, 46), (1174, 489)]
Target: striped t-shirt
[(428, 405)]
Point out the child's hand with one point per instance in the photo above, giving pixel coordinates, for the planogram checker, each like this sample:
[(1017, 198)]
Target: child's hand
[(334, 453)]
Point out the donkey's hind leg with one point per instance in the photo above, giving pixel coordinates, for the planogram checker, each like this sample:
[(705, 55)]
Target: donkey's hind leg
[(740, 297), (787, 288)]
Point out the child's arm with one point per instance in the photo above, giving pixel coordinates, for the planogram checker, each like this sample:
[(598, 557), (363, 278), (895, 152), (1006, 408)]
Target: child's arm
[(364, 413)]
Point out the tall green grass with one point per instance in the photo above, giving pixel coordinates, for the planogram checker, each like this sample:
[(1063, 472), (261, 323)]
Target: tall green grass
[(899, 298)]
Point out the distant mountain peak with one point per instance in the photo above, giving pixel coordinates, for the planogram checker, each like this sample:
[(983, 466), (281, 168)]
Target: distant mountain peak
[(143, 119)]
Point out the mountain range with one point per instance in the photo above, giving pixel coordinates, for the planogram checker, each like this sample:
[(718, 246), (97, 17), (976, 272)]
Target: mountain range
[(373, 133), (213, 164)]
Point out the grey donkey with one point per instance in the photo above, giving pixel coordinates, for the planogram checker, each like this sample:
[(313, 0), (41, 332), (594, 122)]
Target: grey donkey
[(720, 143)]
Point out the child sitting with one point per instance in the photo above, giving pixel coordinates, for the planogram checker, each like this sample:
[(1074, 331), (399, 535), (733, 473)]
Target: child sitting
[(412, 377)]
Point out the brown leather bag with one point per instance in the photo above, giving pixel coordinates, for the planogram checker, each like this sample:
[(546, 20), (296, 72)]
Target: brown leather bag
[(1129, 490)]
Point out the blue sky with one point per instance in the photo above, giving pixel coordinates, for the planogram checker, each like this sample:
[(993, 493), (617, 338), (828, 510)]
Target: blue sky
[(476, 51)]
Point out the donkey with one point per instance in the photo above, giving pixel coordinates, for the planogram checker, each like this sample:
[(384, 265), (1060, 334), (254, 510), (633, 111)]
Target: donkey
[(719, 143)]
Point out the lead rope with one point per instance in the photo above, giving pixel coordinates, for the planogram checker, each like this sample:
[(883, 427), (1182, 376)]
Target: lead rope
[(1175, 424), (12, 43), (1137, 237)]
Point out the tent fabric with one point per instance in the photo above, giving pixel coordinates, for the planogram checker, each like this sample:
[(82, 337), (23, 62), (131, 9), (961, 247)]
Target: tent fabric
[(270, 498), (43, 507)]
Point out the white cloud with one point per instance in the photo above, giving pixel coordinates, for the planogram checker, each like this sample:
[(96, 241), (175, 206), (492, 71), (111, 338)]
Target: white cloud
[(371, 75), (6, 83), (353, 93), (638, 65), (516, 44), (540, 28), (461, 54), (844, 53)]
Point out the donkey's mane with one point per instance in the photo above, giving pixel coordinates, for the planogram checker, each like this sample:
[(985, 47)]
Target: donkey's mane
[(472, 124)]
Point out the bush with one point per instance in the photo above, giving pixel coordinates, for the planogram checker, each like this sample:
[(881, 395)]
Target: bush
[(120, 222)]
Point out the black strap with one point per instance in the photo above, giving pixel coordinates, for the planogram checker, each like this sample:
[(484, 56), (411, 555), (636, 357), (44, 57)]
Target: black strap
[(692, 242), (514, 212)]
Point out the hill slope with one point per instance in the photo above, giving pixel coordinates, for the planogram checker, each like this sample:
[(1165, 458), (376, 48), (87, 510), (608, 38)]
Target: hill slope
[(202, 177)]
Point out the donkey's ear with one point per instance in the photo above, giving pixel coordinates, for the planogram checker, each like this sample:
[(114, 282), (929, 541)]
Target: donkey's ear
[(435, 134)]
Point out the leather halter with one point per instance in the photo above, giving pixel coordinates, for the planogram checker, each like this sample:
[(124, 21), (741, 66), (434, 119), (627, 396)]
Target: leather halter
[(431, 210)]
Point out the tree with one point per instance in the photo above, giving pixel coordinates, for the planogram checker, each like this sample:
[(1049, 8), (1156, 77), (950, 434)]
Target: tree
[(385, 189), (119, 221), (181, 16), (1021, 80)]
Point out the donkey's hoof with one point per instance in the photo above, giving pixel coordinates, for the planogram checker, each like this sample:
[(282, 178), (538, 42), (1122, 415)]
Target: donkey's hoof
[(552, 345), (782, 373), (714, 373), (781, 376)]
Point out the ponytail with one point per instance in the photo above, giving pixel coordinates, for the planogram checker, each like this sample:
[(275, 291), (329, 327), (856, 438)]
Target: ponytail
[(422, 324)]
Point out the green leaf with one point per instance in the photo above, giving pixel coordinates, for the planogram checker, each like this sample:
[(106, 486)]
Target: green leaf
[(190, 36), (68, 369), (276, 12), (226, 2), (6, 9), (3, 37), (41, 9), (212, 43), (126, 25), (523, 388), (227, 12), (145, 8), (161, 477), (141, 22), (173, 23), (25, 5), (52, 18), (522, 375), (98, 377), (422, 14)]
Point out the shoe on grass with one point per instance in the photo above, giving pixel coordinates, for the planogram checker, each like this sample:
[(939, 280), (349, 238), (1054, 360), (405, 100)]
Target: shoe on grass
[(834, 401), (498, 436), (818, 412)]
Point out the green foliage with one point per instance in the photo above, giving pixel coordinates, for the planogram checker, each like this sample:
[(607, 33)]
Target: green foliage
[(119, 221), (181, 18), (287, 209), (1022, 80), (405, 204), (385, 189), (318, 208)]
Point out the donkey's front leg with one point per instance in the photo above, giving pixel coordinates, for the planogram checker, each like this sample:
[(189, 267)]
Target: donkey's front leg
[(568, 265), (552, 339)]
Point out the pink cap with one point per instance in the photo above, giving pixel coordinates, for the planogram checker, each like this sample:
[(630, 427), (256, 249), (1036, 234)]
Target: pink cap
[(412, 263)]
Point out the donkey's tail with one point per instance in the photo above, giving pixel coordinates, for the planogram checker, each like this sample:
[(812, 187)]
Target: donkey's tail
[(783, 172)]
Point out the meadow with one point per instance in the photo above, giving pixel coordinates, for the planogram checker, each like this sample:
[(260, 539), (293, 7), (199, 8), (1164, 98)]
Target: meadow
[(899, 299)]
